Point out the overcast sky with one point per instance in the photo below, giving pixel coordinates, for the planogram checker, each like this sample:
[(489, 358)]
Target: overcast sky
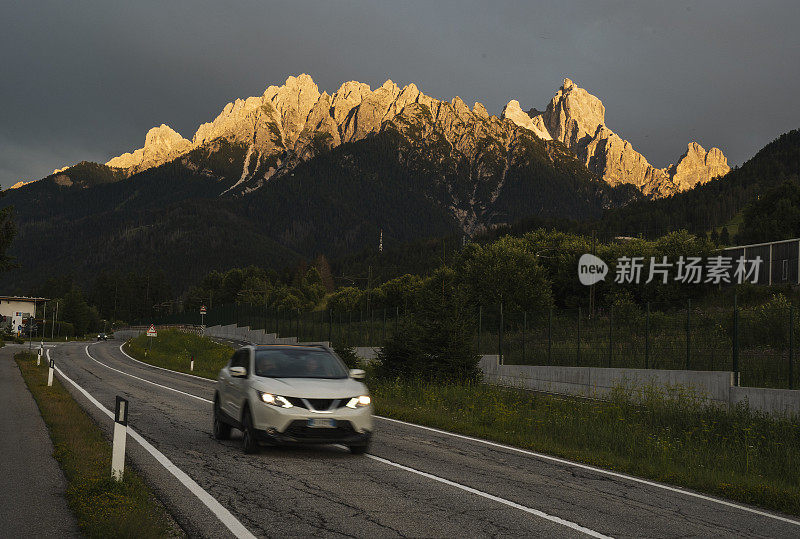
[(85, 80)]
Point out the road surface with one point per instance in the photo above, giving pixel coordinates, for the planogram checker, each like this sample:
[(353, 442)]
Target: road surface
[(415, 482)]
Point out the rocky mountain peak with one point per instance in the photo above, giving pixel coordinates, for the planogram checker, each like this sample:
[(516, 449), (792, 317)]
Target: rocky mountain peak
[(512, 111), (574, 114), (698, 166), (161, 144), (294, 121), (577, 118)]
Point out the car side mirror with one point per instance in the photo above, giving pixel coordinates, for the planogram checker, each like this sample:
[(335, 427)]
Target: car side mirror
[(238, 372), (357, 374)]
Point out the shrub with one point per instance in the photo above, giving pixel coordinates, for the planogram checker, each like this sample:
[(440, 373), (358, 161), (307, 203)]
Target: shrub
[(348, 355), (436, 343)]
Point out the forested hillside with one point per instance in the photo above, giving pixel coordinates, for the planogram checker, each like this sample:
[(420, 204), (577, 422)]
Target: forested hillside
[(714, 203)]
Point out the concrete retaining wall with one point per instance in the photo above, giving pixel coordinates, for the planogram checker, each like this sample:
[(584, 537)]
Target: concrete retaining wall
[(716, 386), (772, 401), (598, 382)]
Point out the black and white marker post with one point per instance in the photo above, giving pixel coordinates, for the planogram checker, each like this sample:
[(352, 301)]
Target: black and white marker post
[(39, 357), (191, 365), (50, 372), (120, 435)]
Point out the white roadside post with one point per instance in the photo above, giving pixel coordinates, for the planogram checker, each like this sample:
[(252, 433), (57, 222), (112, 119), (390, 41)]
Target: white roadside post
[(120, 435), (39, 357), (191, 364), (50, 372)]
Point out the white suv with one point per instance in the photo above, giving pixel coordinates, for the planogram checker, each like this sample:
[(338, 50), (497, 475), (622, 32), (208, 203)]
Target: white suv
[(285, 394)]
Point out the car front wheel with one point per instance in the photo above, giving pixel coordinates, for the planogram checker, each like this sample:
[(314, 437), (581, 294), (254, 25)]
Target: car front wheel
[(249, 443), (222, 431)]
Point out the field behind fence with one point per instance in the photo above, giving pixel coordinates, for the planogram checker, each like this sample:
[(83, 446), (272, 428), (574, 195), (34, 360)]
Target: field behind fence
[(757, 342)]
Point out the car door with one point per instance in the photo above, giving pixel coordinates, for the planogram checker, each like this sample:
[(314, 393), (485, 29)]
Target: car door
[(227, 387), (237, 387)]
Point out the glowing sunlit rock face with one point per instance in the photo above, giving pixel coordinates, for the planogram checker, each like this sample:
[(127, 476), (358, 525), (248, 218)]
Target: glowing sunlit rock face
[(162, 144), (294, 122), (577, 118)]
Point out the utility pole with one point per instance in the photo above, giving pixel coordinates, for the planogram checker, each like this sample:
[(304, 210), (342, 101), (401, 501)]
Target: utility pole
[(369, 287), (116, 284), (30, 326), (53, 329)]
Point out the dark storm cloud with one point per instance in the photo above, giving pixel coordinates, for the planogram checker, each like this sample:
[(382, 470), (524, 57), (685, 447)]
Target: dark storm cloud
[(86, 80)]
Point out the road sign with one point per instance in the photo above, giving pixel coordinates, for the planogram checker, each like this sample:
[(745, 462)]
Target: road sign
[(202, 309), (152, 331)]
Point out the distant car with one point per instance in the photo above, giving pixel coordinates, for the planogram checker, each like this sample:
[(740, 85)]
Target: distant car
[(285, 395), (102, 337)]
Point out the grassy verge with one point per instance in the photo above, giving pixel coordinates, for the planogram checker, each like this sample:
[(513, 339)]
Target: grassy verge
[(173, 349), (666, 436), (102, 507), (670, 437)]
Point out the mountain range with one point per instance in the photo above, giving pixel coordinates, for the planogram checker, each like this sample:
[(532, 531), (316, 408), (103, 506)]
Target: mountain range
[(294, 173)]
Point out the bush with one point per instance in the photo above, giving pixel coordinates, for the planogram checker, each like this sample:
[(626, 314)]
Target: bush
[(348, 355), (436, 343)]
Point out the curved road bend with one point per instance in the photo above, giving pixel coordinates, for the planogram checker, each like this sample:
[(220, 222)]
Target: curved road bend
[(415, 482)]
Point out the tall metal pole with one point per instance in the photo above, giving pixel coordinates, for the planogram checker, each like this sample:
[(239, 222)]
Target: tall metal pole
[(688, 333), (500, 336), (480, 326), (647, 337), (610, 335), (578, 363), (550, 336), (53, 328), (524, 327), (791, 346), (735, 341), (30, 326)]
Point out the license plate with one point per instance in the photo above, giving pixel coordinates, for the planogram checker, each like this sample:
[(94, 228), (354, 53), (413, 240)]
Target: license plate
[(322, 423)]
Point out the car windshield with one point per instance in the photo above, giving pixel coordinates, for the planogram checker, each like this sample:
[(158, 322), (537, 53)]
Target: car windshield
[(298, 363)]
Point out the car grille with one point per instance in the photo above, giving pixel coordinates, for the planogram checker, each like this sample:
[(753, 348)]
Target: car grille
[(320, 405), (299, 429)]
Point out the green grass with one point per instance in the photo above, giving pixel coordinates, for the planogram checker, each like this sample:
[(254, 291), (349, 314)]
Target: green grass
[(102, 507), (172, 349), (733, 225), (671, 436)]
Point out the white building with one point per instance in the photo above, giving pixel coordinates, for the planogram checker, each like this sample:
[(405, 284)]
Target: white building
[(15, 308)]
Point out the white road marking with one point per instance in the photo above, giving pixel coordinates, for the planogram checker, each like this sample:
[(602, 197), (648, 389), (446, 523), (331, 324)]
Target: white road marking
[(562, 461), (488, 496), (142, 379), (161, 368), (224, 516), (594, 469)]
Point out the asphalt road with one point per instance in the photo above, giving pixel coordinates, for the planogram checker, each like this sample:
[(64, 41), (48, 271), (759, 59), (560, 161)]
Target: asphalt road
[(415, 482)]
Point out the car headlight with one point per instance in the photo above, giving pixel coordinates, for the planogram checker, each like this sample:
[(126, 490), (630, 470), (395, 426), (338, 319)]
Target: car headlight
[(358, 402), (274, 400)]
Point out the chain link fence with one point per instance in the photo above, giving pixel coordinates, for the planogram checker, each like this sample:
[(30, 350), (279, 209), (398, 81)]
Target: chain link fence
[(758, 343)]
